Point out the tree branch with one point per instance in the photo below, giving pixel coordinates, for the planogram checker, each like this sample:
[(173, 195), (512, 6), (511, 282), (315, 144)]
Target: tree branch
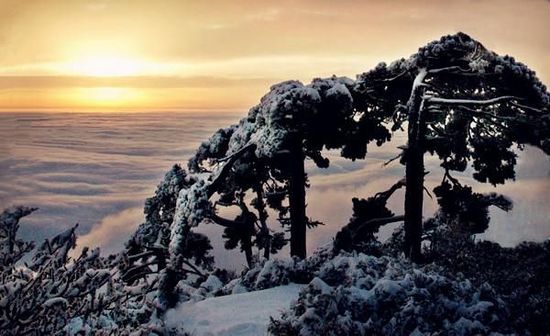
[(224, 222), (394, 78), (481, 113), (237, 153), (450, 101), (392, 159), (377, 222), (529, 108), (387, 194), (451, 69), (227, 167)]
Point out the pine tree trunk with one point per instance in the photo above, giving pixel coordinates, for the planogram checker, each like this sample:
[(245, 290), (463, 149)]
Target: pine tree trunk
[(297, 201), (247, 238), (414, 172), (414, 203), (247, 247), (262, 216), (161, 260)]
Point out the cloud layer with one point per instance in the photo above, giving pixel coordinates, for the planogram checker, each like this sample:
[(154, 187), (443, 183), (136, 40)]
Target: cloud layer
[(97, 169)]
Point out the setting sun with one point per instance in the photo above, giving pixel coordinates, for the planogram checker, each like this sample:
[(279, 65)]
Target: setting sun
[(180, 55)]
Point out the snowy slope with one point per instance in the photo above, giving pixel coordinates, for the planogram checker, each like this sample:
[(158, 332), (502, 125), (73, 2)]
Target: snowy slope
[(237, 315)]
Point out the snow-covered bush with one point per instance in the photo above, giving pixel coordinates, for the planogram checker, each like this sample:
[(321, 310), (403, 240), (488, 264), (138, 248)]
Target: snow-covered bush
[(521, 275), (52, 293), (357, 294), (12, 249), (276, 272)]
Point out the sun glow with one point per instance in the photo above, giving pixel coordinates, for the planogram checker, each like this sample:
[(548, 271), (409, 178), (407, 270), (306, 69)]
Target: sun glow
[(109, 96), (107, 66)]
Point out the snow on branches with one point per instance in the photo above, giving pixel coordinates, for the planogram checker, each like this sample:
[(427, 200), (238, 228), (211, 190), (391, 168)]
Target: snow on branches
[(357, 294), (52, 293), (457, 97), (12, 248), (463, 103), (254, 156)]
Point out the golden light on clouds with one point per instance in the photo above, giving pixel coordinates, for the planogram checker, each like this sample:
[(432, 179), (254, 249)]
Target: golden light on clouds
[(148, 55), (105, 66), (108, 96)]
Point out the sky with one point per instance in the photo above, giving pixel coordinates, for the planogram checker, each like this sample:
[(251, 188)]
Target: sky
[(134, 55)]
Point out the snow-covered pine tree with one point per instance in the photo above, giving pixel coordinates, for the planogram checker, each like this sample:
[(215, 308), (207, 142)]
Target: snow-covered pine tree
[(249, 182), (291, 123), (146, 252), (463, 103)]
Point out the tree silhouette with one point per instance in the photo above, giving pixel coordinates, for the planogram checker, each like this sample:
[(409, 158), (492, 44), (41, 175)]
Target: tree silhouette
[(462, 103), (265, 153), (292, 122), (249, 176), (464, 210), (368, 216)]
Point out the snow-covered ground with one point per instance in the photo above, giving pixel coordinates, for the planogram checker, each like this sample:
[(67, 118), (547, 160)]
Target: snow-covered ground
[(237, 315)]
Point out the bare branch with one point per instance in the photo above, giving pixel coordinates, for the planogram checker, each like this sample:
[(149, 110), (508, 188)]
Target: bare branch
[(224, 221), (484, 114), (193, 267), (377, 222), (387, 194), (392, 159), (428, 193), (237, 153)]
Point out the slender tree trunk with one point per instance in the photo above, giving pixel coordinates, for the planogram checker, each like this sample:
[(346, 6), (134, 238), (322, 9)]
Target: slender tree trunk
[(262, 215), (246, 227), (297, 200), (247, 247), (414, 204), (414, 172), (249, 220), (161, 260)]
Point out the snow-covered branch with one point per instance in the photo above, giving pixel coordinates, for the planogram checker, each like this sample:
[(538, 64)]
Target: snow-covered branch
[(222, 174), (454, 68), (450, 101)]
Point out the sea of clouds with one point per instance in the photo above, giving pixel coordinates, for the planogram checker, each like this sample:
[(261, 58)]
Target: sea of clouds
[(97, 170)]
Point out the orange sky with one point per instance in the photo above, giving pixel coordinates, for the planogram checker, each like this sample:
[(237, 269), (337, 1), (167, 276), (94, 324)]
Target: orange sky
[(118, 55)]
